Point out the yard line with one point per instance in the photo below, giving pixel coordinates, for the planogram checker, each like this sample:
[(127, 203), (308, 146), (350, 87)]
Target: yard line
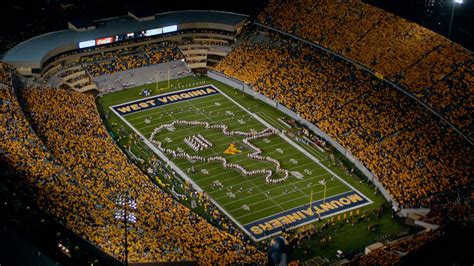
[(241, 128), (173, 103), (223, 173), (172, 145), (176, 132), (225, 180), (280, 158), (187, 129), (260, 210), (211, 108), (181, 130), (200, 115), (283, 186), (253, 121), (170, 104), (293, 168), (176, 109), (250, 181), (262, 147), (309, 155), (187, 117), (275, 122), (201, 103), (300, 190), (283, 202), (247, 165), (214, 176), (205, 107)]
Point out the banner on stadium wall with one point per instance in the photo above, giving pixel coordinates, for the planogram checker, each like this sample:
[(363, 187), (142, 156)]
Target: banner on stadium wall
[(164, 99), (305, 214), (105, 40)]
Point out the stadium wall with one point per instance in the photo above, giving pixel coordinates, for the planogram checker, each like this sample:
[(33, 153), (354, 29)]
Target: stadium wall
[(248, 90)]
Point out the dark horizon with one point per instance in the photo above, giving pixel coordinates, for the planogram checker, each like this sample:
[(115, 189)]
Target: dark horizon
[(24, 19)]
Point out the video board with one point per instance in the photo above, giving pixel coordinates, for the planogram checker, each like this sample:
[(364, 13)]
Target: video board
[(128, 36)]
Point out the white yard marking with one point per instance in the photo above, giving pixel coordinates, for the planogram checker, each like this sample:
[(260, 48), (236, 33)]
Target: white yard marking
[(289, 185), (286, 201), (249, 179), (263, 122)]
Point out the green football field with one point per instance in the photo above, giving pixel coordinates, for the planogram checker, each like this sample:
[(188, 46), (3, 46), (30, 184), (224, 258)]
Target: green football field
[(248, 200)]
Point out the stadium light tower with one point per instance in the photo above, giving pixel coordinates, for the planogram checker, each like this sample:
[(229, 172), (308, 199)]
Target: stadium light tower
[(452, 15)]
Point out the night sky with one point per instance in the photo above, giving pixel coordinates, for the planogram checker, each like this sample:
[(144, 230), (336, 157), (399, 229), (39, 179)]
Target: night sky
[(23, 19)]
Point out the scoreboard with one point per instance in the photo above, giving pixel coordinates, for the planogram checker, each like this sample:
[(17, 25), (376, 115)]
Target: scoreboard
[(127, 36)]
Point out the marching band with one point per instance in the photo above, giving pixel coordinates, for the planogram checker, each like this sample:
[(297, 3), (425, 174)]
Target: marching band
[(199, 143)]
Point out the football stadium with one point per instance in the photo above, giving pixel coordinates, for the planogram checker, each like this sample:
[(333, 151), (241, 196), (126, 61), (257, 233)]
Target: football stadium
[(298, 133)]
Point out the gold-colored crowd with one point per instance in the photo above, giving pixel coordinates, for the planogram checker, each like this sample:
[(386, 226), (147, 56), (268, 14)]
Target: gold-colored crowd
[(4, 74), (130, 58), (437, 71), (83, 179), (411, 153), (391, 254)]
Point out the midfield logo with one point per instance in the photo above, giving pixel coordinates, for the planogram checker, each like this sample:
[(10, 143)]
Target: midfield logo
[(232, 150)]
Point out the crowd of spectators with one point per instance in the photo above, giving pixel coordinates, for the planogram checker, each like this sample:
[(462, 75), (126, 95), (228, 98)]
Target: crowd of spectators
[(5, 74), (20, 146), (410, 152), (451, 209), (249, 69), (50, 183), (392, 253), (81, 177), (437, 71), (129, 58)]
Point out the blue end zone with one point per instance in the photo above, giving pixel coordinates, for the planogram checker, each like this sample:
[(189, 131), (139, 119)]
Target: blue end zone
[(164, 99), (304, 214)]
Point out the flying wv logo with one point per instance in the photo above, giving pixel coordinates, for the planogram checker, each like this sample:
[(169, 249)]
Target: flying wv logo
[(232, 150)]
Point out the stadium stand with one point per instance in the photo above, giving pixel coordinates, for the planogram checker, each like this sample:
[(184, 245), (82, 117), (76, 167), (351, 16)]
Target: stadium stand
[(409, 151), (76, 71), (161, 229), (5, 74), (80, 176), (83, 179), (77, 74), (391, 254), (44, 55), (423, 61), (130, 58)]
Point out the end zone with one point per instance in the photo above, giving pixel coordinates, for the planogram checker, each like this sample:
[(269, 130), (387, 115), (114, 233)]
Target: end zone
[(163, 99), (274, 224), (305, 214)]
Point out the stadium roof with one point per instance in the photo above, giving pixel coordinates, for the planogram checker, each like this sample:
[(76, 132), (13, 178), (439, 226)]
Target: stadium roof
[(81, 23), (32, 51)]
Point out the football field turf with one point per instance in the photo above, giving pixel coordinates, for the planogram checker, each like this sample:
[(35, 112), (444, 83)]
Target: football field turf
[(311, 192)]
